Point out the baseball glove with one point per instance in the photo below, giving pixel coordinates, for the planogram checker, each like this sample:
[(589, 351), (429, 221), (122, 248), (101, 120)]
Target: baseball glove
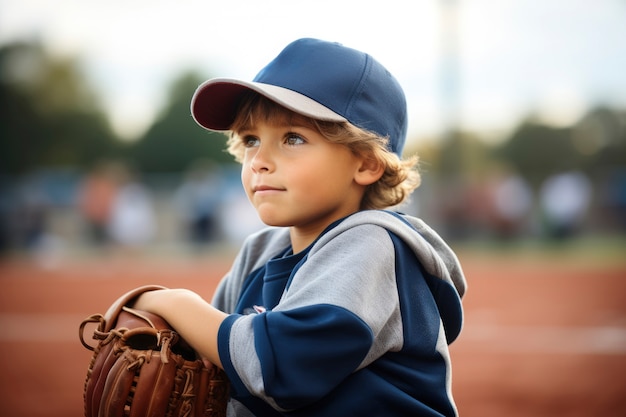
[(141, 367)]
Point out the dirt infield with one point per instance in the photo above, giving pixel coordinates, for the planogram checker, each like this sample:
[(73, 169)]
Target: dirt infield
[(542, 337)]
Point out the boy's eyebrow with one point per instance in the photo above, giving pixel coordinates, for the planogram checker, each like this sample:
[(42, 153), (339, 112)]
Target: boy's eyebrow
[(283, 124), (300, 124), (244, 130)]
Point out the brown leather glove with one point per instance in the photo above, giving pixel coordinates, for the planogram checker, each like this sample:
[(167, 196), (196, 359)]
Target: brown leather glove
[(142, 368)]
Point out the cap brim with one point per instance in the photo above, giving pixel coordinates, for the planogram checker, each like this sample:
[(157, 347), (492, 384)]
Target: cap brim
[(215, 102)]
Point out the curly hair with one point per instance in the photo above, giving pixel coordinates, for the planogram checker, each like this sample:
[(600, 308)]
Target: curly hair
[(399, 179)]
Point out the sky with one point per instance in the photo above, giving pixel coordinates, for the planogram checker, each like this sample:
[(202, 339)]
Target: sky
[(482, 64)]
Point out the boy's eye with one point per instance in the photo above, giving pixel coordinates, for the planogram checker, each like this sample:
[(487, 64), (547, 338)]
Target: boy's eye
[(250, 141), (294, 139)]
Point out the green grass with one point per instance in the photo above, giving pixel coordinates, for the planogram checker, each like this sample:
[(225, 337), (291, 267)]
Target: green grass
[(608, 250)]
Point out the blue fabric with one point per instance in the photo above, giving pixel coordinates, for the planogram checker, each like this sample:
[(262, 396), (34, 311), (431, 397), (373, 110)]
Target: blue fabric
[(306, 352), (223, 338)]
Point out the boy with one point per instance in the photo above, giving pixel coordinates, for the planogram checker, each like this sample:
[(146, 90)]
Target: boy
[(341, 308)]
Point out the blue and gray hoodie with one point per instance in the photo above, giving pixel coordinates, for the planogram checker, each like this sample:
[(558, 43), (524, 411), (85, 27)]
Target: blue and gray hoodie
[(358, 324)]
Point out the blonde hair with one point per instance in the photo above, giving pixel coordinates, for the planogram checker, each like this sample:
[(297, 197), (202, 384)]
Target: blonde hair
[(400, 177)]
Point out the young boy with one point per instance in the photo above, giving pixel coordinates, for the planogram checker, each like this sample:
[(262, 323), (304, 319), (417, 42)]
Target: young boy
[(341, 308)]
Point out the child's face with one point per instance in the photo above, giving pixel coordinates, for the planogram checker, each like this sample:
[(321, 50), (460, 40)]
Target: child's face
[(294, 177)]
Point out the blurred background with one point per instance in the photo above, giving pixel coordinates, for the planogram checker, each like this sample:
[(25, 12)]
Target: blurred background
[(517, 109)]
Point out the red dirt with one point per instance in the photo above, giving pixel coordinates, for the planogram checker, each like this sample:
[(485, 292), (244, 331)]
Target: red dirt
[(540, 339)]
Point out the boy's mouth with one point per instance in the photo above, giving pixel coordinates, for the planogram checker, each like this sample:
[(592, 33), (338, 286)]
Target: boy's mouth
[(258, 188)]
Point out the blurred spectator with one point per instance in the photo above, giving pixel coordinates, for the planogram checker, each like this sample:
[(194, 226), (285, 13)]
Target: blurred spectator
[(512, 200), (565, 199), (613, 200), (237, 206), (132, 222), (197, 200), (31, 216), (96, 197)]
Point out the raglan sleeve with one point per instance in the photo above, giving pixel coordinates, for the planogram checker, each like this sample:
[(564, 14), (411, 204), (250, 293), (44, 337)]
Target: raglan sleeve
[(339, 307)]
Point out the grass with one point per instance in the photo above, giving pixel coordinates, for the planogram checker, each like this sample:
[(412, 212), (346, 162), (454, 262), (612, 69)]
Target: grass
[(589, 250)]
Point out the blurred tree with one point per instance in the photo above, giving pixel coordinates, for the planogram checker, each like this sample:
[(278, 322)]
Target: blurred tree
[(175, 141), (593, 145), (459, 158), (536, 151), (601, 137), (50, 116)]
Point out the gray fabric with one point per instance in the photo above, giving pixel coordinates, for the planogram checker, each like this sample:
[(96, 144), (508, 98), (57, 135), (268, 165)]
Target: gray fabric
[(432, 251)]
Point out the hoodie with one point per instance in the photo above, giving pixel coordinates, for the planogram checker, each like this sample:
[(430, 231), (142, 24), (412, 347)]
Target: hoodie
[(358, 324)]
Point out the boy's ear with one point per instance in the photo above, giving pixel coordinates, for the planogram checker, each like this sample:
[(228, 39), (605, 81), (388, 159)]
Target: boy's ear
[(369, 172)]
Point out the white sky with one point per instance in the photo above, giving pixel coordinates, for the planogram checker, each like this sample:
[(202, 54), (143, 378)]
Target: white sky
[(556, 58)]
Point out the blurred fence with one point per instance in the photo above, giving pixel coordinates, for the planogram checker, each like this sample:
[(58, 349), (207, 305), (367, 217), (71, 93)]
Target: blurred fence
[(48, 210)]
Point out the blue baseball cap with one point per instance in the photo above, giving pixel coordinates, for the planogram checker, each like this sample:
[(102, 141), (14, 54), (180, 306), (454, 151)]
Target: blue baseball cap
[(318, 79)]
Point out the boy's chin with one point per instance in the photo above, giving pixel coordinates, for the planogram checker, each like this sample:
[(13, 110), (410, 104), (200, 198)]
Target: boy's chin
[(273, 221)]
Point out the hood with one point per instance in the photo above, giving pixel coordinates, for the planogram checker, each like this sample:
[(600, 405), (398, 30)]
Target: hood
[(432, 251)]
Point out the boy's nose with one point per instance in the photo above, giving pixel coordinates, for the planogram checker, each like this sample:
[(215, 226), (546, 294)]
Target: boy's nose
[(261, 162)]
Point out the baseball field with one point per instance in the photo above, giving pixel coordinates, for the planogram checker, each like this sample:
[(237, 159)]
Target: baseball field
[(545, 330)]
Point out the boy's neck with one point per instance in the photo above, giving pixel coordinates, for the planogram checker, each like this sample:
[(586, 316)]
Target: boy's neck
[(301, 239)]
